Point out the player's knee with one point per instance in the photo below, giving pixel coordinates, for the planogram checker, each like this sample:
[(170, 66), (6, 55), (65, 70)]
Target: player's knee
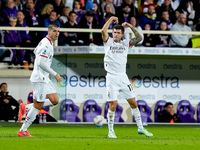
[(38, 105), (55, 101)]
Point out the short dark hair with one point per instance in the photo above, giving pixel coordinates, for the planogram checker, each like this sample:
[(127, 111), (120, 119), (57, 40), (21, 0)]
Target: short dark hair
[(50, 27), (117, 26), (3, 84), (72, 12), (167, 104)]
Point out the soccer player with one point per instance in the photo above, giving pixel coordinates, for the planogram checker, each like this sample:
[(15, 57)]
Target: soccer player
[(42, 85), (117, 82)]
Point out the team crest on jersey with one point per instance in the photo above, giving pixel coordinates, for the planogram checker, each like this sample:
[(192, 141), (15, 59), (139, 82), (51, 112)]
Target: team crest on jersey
[(44, 53)]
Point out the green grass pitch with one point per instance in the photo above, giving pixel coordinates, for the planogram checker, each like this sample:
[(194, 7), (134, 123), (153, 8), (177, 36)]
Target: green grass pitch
[(88, 137)]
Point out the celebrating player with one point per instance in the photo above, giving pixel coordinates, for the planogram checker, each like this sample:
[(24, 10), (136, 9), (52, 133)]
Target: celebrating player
[(117, 82), (42, 85)]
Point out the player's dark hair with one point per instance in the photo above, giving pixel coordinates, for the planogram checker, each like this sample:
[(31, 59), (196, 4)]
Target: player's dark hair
[(50, 27), (120, 27), (167, 104), (3, 84)]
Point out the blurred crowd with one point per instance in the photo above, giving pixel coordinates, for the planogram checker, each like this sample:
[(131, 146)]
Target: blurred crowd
[(165, 15)]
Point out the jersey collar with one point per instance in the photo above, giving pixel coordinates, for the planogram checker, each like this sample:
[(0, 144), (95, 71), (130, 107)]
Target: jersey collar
[(49, 40)]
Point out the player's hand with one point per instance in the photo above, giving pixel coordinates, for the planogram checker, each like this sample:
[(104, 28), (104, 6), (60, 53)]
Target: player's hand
[(125, 24), (58, 78), (115, 19)]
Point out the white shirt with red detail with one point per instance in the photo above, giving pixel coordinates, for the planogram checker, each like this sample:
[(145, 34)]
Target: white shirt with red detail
[(115, 57), (45, 50)]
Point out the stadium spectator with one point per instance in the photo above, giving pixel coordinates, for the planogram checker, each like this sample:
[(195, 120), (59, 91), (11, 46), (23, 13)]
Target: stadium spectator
[(149, 18), (135, 23), (52, 18), (168, 115), (111, 4), (26, 38), (124, 16), (33, 19), (89, 22), (7, 102), (180, 40), (71, 38), (3, 52), (46, 11), (9, 11), (134, 10), (162, 40), (194, 41), (198, 22), (58, 6), (174, 3), (107, 9), (146, 5), (186, 7), (69, 3), (196, 5), (89, 5), (166, 6), (21, 22), (165, 17), (65, 15), (13, 39), (117, 3), (97, 13), (149, 39), (177, 13), (78, 10)]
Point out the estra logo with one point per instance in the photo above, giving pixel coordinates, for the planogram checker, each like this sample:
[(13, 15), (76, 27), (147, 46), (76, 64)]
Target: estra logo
[(155, 82)]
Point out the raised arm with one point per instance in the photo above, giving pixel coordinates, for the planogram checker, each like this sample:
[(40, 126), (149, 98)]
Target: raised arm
[(106, 26), (137, 37)]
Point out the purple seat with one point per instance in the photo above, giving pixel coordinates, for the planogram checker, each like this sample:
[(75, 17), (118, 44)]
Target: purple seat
[(198, 113), (90, 110), (159, 106), (145, 111), (118, 113), (186, 112), (69, 111)]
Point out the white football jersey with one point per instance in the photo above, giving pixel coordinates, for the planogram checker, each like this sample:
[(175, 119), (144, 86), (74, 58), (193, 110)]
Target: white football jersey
[(115, 57), (44, 49)]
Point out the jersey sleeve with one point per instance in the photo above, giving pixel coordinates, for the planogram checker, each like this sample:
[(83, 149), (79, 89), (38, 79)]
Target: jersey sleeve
[(108, 41), (44, 52), (127, 43)]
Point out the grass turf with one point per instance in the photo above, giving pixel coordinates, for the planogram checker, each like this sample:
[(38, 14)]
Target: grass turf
[(87, 136)]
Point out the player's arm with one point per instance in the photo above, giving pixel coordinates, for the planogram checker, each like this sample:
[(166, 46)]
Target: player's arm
[(42, 62), (106, 26), (137, 37)]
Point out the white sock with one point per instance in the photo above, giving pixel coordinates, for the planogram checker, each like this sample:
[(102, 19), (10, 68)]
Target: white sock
[(111, 117), (137, 116), (28, 107), (47, 103), (29, 118)]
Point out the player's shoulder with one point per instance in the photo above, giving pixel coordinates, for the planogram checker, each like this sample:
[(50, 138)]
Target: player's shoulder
[(45, 43)]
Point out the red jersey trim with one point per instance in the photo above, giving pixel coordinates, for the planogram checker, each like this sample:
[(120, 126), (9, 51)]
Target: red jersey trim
[(43, 56), (106, 40), (49, 40)]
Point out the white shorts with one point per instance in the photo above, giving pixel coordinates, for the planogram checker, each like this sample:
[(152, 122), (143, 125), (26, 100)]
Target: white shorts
[(118, 86), (41, 89)]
